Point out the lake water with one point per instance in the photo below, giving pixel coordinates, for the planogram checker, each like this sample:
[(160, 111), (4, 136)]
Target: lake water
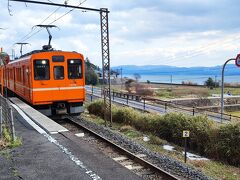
[(178, 79)]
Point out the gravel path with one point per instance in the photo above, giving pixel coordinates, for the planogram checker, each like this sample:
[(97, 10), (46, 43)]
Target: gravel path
[(173, 166)]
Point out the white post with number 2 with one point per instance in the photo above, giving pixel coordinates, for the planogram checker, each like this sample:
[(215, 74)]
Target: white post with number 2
[(186, 134)]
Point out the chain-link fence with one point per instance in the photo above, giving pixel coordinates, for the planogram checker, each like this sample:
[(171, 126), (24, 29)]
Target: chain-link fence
[(6, 118)]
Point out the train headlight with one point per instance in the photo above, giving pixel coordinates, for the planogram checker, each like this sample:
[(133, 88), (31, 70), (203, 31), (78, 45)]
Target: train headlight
[(72, 61), (44, 62)]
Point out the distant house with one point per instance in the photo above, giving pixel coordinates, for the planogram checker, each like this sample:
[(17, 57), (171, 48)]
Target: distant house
[(113, 76), (99, 73)]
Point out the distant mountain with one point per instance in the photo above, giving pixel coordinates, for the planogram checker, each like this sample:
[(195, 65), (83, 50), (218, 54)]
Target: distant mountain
[(230, 69)]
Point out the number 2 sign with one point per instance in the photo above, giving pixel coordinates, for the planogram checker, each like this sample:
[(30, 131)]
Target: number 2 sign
[(186, 133)]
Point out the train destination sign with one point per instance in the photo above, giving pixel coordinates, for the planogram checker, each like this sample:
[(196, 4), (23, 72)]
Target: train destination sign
[(237, 61)]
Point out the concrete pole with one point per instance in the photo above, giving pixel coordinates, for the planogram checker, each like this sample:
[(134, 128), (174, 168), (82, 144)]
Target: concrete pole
[(121, 79), (222, 87)]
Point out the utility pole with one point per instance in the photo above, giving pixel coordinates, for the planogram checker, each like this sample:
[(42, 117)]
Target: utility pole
[(215, 81), (222, 88), (105, 50), (121, 79)]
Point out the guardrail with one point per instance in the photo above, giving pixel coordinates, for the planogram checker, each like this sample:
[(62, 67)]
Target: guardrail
[(6, 118), (148, 104)]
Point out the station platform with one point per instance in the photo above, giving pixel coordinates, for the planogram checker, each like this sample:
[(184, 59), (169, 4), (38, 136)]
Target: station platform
[(43, 121), (55, 156)]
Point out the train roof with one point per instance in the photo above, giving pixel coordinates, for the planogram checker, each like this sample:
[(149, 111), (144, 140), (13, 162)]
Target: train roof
[(40, 51), (36, 52)]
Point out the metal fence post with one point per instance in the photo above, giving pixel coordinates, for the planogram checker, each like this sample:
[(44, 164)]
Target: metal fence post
[(144, 104), (92, 94), (127, 98), (12, 124), (193, 111), (113, 94), (165, 107), (101, 91), (1, 122)]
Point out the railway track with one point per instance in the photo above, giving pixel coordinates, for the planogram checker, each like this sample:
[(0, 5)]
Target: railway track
[(134, 162)]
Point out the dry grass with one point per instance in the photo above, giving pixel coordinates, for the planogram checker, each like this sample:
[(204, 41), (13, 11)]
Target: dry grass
[(182, 91), (125, 128), (3, 144), (179, 91), (211, 168), (190, 91), (174, 91)]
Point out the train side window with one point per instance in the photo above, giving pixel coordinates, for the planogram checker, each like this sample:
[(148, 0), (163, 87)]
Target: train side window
[(74, 68), (58, 72), (41, 69)]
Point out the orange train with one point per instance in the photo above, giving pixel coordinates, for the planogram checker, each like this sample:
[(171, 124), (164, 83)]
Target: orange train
[(51, 81)]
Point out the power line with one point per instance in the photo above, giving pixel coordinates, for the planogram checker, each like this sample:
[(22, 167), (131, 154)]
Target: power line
[(26, 37), (40, 24), (202, 50)]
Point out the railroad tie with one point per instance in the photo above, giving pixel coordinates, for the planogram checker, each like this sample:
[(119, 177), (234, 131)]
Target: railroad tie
[(131, 167), (120, 158)]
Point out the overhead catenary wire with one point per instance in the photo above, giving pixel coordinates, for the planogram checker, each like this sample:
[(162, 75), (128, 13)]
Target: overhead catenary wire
[(26, 36), (29, 35), (202, 50), (56, 19)]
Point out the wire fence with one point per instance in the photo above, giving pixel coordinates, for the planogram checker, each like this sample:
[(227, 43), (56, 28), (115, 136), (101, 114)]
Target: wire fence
[(147, 104), (6, 118)]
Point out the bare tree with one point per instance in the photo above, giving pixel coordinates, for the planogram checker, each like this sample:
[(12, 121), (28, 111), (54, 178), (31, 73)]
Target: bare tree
[(137, 76)]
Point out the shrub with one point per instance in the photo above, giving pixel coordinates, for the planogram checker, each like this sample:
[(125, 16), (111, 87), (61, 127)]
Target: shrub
[(96, 108), (129, 85), (210, 83), (189, 83), (156, 140), (144, 90), (222, 143), (200, 127), (8, 141), (123, 115), (142, 122)]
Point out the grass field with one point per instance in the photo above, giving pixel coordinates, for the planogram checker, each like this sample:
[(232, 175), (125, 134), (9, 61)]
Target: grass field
[(211, 168), (179, 91)]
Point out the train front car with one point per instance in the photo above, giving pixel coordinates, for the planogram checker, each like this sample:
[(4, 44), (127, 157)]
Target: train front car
[(58, 82)]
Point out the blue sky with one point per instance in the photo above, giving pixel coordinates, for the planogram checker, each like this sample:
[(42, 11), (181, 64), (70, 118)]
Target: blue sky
[(155, 32)]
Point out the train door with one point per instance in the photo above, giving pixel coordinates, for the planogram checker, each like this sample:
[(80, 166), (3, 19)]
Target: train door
[(28, 80), (14, 79), (24, 80), (5, 82), (8, 77), (59, 71)]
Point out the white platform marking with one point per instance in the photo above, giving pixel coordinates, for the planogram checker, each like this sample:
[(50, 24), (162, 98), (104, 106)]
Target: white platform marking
[(79, 163)]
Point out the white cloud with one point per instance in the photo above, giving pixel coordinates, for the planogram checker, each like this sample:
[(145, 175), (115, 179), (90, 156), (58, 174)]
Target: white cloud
[(171, 32)]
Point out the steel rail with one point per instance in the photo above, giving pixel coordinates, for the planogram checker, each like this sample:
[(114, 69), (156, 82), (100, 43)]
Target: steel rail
[(165, 174)]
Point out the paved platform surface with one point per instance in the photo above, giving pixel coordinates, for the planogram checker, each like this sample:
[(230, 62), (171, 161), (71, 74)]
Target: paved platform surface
[(43, 121), (39, 158)]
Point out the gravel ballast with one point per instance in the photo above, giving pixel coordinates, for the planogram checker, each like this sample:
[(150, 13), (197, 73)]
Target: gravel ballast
[(172, 166)]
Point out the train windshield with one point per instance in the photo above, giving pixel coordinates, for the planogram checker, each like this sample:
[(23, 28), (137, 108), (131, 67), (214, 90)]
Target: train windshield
[(74, 69), (41, 69), (58, 72)]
